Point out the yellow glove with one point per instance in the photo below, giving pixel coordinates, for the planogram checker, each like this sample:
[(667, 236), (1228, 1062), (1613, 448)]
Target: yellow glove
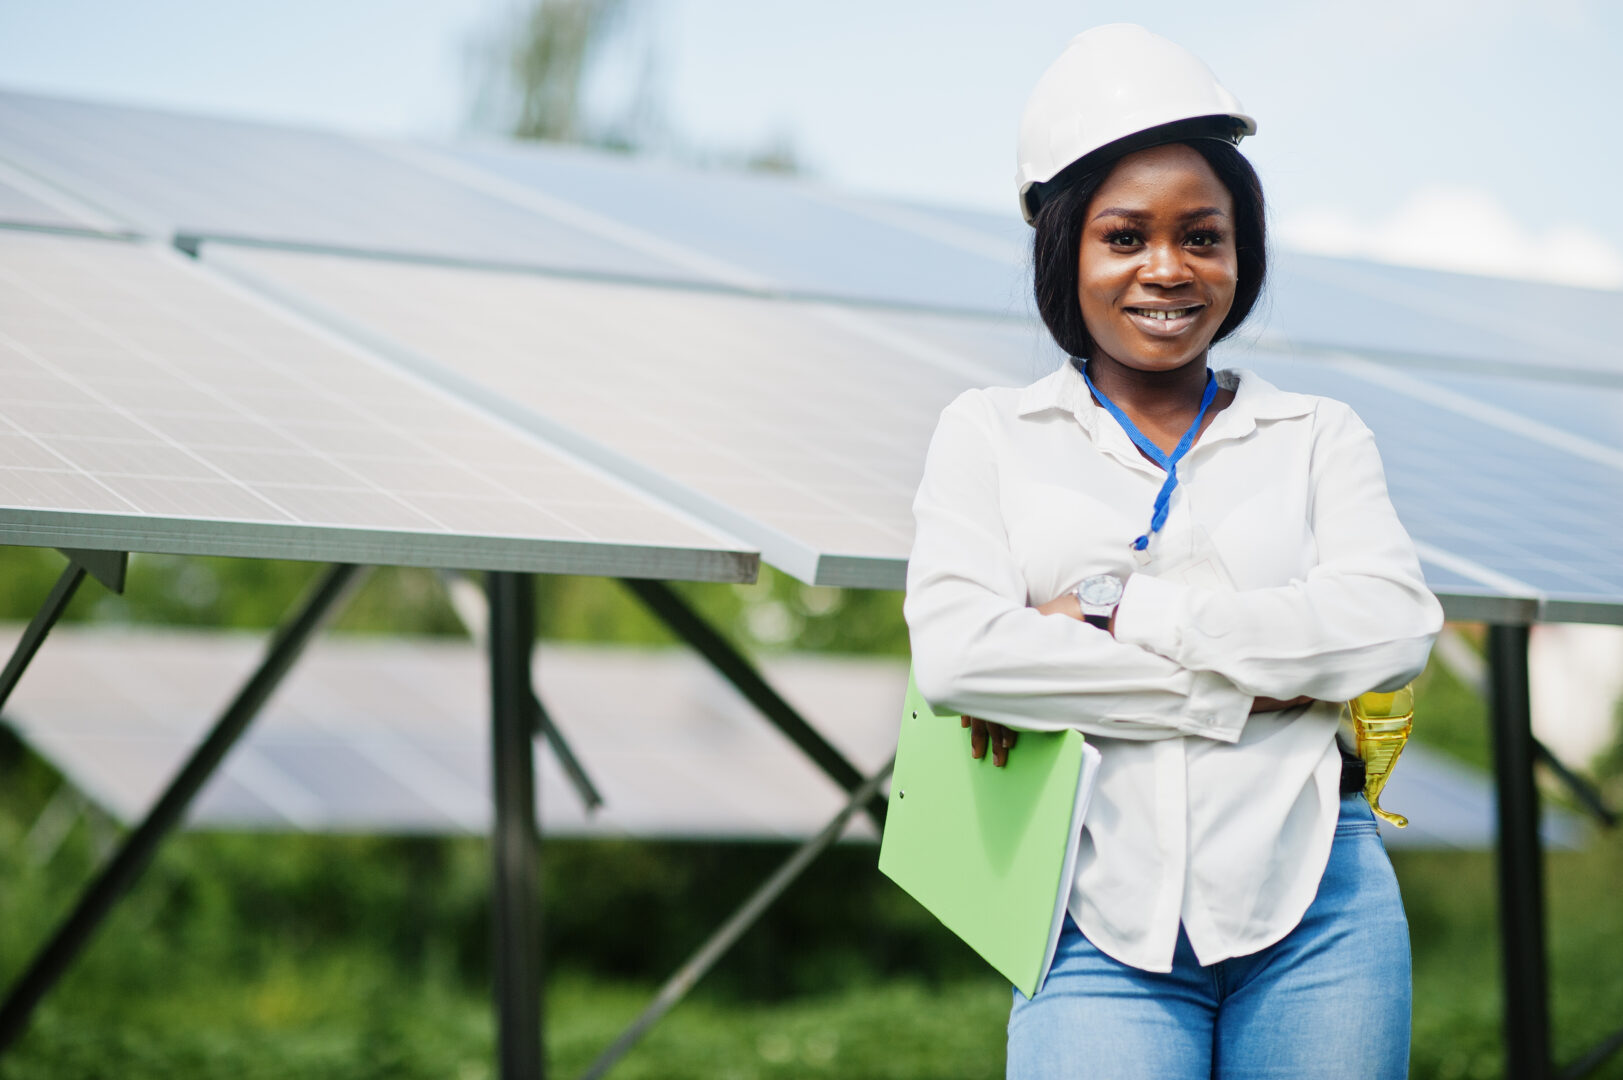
[(1381, 725)]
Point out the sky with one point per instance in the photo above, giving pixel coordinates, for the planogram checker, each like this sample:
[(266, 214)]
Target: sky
[(1476, 136)]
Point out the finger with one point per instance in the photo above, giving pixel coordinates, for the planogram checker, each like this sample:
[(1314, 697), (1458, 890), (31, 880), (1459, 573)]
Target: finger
[(963, 721), (977, 738), (1002, 739)]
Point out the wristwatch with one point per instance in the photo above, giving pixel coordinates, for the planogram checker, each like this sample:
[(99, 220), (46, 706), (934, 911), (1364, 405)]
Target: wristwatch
[(1099, 596)]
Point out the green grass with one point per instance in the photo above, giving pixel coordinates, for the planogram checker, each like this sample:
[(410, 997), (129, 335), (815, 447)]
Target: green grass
[(326, 1020), (330, 970)]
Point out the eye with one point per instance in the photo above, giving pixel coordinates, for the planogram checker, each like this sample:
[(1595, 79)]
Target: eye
[(1204, 238), (1123, 238)]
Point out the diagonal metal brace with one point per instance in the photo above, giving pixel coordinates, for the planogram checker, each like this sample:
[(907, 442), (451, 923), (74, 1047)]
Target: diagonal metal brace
[(677, 986), (106, 567), (472, 606), (1594, 1058), (688, 625), (132, 858), (545, 728), (1586, 793)]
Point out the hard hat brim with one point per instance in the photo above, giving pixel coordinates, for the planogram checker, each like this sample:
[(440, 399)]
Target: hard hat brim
[(1226, 127)]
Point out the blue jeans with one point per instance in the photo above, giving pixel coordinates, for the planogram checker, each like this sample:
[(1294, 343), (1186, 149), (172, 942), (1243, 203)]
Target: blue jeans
[(1328, 1001)]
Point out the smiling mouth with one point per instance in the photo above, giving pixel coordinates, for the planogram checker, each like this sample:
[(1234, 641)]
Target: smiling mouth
[(1165, 322), (1165, 315)]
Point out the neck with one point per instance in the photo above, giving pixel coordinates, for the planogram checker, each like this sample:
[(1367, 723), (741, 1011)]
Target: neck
[(1150, 392)]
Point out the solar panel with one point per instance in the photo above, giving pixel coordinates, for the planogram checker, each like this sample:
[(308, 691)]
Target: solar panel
[(591, 213), (1477, 322), (390, 735), (1522, 508), (1589, 417), (802, 427), (170, 173), (27, 202), (779, 234), (152, 406)]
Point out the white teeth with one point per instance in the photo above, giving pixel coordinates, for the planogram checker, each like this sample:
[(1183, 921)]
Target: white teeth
[(1164, 315)]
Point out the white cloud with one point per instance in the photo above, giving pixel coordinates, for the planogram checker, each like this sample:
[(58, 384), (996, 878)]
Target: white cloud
[(1464, 229)]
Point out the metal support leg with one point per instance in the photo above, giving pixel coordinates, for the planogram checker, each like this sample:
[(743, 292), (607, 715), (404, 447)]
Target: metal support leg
[(515, 837), (1460, 658), (1521, 869), (745, 917), (127, 863), (686, 624), (471, 606)]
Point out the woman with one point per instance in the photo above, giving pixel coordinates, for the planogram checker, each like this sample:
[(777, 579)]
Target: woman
[(1233, 912)]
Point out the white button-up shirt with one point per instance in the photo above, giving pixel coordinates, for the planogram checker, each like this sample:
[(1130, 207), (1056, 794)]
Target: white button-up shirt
[(1282, 570)]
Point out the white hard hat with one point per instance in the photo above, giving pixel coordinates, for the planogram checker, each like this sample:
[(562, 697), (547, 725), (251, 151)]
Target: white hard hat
[(1118, 84)]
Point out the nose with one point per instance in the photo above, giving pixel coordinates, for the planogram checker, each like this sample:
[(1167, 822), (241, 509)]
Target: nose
[(1164, 265)]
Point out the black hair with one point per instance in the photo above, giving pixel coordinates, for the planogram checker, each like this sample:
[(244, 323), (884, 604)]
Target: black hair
[(1057, 243)]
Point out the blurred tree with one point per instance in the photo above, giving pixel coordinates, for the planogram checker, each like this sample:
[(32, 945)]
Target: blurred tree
[(590, 72), (549, 61), (532, 68)]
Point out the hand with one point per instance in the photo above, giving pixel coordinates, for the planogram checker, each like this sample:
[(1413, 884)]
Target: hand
[(1268, 704), (1067, 604), (982, 732)]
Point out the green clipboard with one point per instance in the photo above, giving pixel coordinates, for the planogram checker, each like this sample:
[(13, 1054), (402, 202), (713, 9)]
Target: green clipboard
[(990, 852)]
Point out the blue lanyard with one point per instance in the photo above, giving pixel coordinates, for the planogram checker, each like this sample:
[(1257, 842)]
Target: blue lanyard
[(1169, 462)]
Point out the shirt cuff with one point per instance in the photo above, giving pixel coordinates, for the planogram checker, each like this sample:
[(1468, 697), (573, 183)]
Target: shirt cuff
[(1150, 616), (1153, 615), (1216, 708)]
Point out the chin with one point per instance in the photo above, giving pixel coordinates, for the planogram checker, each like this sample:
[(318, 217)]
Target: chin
[(1149, 359)]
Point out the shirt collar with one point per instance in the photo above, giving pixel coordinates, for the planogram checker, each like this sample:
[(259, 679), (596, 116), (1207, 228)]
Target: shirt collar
[(1254, 399)]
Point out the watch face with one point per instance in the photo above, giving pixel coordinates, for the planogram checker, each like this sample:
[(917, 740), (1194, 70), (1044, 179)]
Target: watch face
[(1102, 589)]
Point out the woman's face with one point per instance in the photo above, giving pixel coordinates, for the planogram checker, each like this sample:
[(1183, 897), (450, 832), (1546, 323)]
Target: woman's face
[(1157, 267)]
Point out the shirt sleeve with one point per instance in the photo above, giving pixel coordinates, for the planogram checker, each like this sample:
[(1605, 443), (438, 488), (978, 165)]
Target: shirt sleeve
[(1362, 620), (979, 649)]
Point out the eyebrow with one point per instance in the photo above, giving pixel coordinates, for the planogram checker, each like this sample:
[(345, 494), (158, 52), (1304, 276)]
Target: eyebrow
[(1139, 215)]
